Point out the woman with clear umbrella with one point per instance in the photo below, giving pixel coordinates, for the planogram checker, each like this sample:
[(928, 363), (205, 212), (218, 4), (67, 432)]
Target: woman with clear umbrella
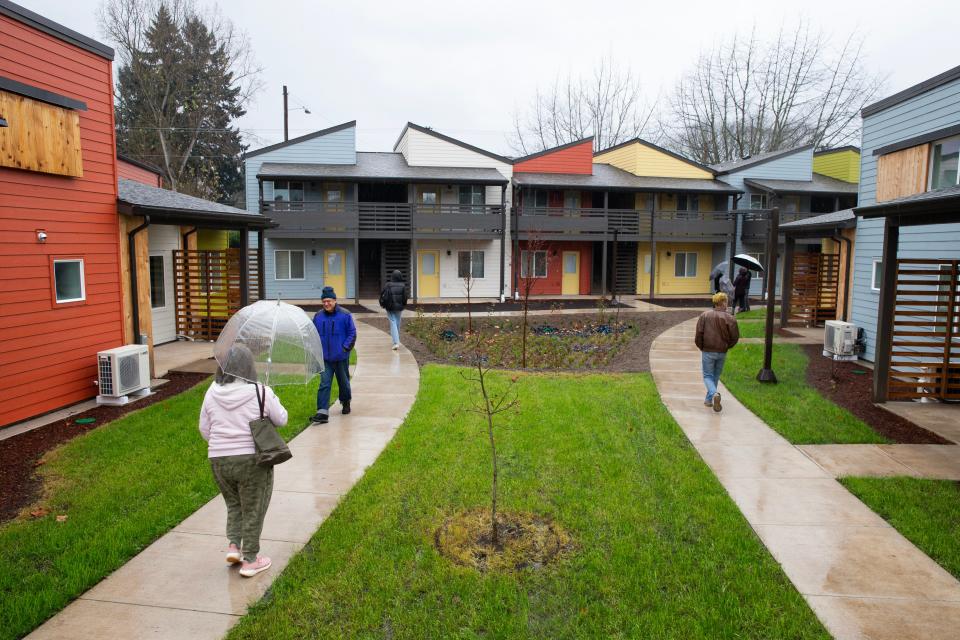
[(264, 344)]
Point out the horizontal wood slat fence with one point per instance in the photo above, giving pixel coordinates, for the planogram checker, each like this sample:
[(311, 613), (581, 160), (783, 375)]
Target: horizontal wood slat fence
[(815, 288), (207, 287)]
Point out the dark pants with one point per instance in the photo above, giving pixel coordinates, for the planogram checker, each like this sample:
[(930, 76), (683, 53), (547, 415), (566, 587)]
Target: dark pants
[(246, 488), (742, 302), (341, 369)]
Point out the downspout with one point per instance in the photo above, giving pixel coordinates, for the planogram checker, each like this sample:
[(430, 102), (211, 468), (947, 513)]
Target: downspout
[(846, 275), (134, 291), (187, 235)]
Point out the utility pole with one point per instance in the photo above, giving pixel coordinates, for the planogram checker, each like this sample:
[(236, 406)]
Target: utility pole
[(286, 129)]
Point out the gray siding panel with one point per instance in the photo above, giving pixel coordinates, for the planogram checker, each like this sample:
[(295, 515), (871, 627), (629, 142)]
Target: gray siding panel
[(310, 287), (931, 111)]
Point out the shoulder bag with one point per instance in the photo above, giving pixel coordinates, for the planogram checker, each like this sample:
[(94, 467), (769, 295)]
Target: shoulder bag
[(270, 447)]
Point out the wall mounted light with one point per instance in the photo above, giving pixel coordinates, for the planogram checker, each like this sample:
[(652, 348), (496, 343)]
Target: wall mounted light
[(448, 252), (41, 236), (3, 122), (313, 252)]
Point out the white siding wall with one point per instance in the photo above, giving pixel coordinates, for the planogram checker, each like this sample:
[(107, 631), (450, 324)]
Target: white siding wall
[(451, 285), (422, 149), (162, 241)]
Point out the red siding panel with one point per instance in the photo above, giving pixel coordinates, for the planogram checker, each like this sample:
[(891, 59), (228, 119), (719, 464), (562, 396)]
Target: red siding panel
[(552, 285), (138, 174), (48, 356), (577, 159)]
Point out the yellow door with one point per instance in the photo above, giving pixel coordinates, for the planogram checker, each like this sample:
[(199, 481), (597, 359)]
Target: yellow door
[(428, 274), (334, 271), (571, 273), (643, 273)]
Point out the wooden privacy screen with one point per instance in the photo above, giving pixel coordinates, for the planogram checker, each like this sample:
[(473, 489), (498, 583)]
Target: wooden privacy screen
[(816, 283), (39, 136), (925, 351), (902, 173), (207, 288)]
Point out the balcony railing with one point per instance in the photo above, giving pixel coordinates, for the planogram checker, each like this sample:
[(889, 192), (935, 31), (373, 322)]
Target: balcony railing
[(627, 223), (370, 218), (755, 222)]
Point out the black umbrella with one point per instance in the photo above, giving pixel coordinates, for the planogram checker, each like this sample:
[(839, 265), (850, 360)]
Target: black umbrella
[(749, 262)]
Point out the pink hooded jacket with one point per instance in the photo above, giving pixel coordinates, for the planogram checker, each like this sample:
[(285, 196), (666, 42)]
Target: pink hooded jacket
[(226, 414)]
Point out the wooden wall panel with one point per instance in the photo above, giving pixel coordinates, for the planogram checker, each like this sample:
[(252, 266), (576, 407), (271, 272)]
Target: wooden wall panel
[(902, 173), (39, 136)]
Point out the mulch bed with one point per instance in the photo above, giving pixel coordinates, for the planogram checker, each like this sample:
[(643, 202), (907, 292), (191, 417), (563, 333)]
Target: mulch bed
[(19, 455), (687, 303), (634, 357), (513, 305), (840, 383)]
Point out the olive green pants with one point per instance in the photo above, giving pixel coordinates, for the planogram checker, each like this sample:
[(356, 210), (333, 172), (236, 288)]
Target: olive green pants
[(246, 489)]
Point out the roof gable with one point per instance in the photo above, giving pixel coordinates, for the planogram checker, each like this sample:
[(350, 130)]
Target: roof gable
[(574, 157), (734, 166), (295, 141), (643, 158), (398, 146)]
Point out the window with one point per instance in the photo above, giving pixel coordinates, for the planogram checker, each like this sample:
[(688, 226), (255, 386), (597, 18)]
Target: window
[(334, 195), (158, 296), (646, 263), (943, 165), (685, 264), (472, 195), (759, 257), (428, 197), (571, 199), (289, 192), (688, 202), (875, 278), (540, 199), (758, 201), (470, 264), (68, 280), (533, 264), (289, 265)]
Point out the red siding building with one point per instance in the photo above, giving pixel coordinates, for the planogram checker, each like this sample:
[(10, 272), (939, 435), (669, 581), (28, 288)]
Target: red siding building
[(574, 157), (60, 293), (138, 172)]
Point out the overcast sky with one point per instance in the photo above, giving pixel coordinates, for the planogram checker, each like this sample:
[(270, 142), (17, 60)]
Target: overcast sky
[(463, 68)]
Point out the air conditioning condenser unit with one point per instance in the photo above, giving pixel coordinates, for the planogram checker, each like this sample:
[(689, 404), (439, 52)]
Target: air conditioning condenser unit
[(122, 372), (839, 340)]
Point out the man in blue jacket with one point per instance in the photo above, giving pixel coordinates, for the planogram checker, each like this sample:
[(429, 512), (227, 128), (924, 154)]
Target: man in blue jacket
[(338, 334)]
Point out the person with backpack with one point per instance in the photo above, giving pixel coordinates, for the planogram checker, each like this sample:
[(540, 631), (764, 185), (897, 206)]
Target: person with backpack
[(338, 335), (393, 299)]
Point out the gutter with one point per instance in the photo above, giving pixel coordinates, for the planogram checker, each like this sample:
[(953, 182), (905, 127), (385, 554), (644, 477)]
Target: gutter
[(134, 293)]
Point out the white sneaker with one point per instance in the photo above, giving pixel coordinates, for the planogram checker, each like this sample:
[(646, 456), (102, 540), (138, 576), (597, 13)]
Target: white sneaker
[(396, 346)]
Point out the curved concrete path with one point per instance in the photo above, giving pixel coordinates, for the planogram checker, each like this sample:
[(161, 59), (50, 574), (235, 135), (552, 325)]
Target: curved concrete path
[(860, 576), (180, 587)]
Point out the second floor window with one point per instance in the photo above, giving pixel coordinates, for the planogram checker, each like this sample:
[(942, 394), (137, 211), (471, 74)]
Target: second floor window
[(429, 197), (758, 201), (472, 195), (943, 163), (686, 202)]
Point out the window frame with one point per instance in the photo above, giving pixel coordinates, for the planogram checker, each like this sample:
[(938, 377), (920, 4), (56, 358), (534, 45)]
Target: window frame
[(931, 162), (686, 263), (54, 260), (875, 269), (473, 253), (290, 252), (523, 263), (163, 283)]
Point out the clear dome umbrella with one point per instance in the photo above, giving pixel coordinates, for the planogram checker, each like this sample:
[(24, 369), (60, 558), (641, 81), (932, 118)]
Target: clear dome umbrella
[(281, 338)]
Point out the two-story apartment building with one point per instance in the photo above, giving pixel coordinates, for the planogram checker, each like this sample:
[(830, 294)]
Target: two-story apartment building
[(435, 208), (907, 293)]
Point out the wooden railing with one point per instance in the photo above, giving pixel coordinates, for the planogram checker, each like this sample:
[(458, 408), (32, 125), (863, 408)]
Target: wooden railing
[(384, 217), (628, 223)]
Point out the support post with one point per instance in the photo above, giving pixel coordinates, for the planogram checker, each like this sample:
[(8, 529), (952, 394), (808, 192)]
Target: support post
[(514, 266), (613, 280), (503, 239), (603, 261), (244, 266), (786, 290), (356, 269), (415, 271), (885, 313), (653, 245), (261, 267), (773, 231)]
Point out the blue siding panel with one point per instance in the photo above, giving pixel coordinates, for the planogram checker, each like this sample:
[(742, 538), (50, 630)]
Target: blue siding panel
[(931, 111), (310, 287)]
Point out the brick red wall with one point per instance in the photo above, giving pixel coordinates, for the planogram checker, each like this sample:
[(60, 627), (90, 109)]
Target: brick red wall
[(553, 283), (139, 174), (577, 158), (47, 351)]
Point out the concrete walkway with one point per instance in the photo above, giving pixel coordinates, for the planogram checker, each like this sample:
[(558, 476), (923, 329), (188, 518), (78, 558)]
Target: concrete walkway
[(859, 575), (180, 587)]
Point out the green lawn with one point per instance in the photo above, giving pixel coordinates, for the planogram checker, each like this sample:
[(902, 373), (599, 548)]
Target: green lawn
[(662, 550), (121, 487), (758, 312), (791, 407), (751, 328), (926, 512)]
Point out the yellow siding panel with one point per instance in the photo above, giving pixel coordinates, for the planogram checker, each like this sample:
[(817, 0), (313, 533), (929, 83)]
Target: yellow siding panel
[(667, 283), (842, 165), (623, 158), (212, 239), (651, 162)]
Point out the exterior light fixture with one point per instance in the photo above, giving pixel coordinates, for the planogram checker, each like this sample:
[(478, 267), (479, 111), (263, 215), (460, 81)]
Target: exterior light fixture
[(41, 236), (3, 122)]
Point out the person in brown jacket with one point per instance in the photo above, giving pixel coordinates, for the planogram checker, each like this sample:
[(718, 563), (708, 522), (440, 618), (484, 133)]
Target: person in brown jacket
[(717, 333)]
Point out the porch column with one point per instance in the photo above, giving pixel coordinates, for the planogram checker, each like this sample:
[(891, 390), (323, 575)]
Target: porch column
[(732, 246), (244, 266), (786, 292), (766, 374), (356, 269), (261, 264), (888, 294), (514, 261), (603, 261), (653, 246), (416, 266), (503, 237)]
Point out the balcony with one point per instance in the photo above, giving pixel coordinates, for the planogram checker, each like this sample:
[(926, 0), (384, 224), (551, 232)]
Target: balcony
[(754, 226), (383, 219), (560, 223), (703, 226)]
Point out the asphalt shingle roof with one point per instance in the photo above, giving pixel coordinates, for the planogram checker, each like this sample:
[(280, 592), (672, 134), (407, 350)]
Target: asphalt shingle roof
[(736, 165), (844, 217), (380, 166), (606, 176), (143, 195), (820, 184)]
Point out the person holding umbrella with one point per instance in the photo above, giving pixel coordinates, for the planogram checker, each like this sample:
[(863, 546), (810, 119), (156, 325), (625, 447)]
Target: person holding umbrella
[(338, 334), (741, 290)]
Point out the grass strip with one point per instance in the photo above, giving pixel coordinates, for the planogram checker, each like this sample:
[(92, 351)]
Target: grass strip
[(792, 408), (926, 512), (662, 552)]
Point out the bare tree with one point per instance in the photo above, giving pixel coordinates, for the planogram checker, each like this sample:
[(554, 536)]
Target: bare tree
[(489, 406), (528, 279), (184, 77), (609, 105), (748, 95), (468, 283)]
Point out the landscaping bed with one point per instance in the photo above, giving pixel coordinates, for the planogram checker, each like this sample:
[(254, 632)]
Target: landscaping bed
[(555, 342), (514, 305), (850, 386), (656, 547), (21, 454)]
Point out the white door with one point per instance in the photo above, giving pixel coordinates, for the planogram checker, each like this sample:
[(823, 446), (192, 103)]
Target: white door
[(163, 239)]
